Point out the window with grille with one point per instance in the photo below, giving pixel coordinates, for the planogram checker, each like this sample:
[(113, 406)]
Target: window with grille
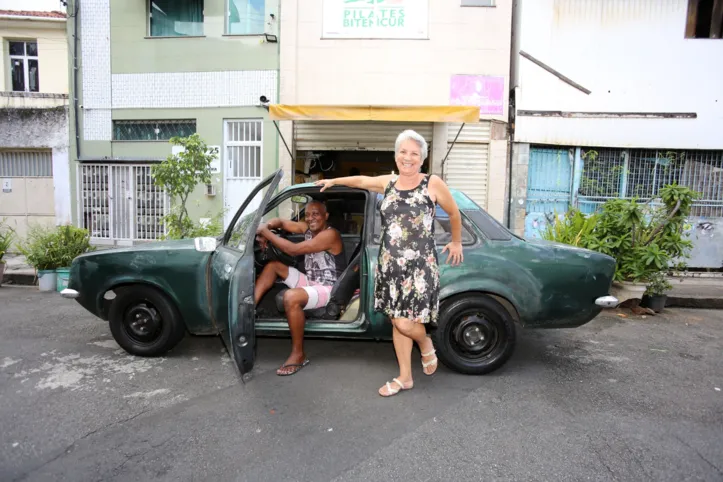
[(152, 130), (243, 149), (641, 173), (24, 72)]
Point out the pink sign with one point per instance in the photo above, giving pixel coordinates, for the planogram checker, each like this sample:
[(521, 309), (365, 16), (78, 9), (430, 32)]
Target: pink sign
[(478, 90)]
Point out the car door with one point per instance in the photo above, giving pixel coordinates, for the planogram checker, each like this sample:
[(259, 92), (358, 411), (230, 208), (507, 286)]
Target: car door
[(233, 276)]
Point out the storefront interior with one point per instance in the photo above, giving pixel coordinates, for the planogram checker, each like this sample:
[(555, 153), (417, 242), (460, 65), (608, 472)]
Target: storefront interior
[(314, 165)]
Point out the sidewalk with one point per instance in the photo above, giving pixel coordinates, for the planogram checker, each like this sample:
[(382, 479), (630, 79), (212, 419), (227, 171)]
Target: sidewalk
[(687, 292), (17, 271), (696, 292)]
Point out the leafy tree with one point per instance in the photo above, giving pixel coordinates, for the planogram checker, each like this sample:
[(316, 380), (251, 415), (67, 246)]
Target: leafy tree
[(179, 175)]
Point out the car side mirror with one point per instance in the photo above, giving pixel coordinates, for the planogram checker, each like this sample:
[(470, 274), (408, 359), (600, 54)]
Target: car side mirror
[(205, 244)]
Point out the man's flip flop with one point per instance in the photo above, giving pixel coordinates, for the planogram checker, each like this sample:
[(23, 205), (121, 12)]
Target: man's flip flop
[(297, 367)]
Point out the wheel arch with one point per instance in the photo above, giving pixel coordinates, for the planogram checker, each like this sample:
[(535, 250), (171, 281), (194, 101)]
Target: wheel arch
[(502, 300)]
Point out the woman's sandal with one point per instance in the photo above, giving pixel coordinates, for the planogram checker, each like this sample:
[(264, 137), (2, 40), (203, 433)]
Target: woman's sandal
[(391, 391), (429, 363)]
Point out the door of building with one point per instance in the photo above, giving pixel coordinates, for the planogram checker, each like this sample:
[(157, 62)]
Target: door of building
[(243, 162), (549, 187)]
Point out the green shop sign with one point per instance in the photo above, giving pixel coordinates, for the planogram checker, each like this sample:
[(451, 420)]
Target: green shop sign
[(376, 19)]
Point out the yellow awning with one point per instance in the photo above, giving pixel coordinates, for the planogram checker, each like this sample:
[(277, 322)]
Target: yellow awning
[(434, 113)]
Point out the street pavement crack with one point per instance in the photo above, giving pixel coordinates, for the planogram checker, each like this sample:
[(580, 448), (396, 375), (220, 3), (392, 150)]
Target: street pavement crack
[(720, 472), (68, 449)]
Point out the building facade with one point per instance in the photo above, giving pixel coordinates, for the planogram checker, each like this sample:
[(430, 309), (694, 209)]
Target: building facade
[(391, 53), (34, 168), (616, 100), (149, 70)]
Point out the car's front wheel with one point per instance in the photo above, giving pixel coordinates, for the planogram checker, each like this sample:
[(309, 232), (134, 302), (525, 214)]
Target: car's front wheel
[(476, 335), (144, 321)]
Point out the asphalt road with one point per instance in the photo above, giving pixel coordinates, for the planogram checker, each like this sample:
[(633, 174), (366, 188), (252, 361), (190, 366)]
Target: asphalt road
[(619, 399)]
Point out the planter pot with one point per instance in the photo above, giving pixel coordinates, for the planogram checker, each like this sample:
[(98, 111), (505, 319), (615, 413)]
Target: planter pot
[(655, 303), (2, 272), (63, 275), (628, 290), (47, 280)]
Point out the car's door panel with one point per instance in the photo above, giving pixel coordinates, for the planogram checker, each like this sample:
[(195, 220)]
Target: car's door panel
[(234, 276)]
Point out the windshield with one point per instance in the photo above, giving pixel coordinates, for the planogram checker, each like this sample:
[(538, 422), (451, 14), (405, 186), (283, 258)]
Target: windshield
[(240, 232)]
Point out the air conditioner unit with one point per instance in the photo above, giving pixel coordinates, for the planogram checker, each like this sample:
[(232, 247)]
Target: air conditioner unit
[(210, 190)]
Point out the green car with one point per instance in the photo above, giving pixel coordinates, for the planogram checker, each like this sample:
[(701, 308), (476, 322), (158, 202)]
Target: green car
[(153, 294)]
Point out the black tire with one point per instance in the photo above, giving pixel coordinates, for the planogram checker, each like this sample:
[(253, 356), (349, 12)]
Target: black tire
[(475, 336), (144, 321)]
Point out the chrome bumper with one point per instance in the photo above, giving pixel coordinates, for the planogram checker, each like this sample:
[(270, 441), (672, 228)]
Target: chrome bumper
[(70, 294), (607, 301)]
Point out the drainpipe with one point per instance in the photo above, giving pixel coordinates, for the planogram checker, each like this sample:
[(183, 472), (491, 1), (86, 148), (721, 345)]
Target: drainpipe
[(76, 9)]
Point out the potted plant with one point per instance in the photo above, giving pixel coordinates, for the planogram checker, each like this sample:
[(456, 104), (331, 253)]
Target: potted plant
[(655, 294), (71, 243), (7, 236), (40, 249)]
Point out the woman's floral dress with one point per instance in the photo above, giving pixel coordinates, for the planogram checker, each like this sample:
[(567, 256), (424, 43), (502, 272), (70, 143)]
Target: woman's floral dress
[(407, 273)]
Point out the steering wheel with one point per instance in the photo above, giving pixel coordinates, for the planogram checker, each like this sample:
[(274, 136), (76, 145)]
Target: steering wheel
[(271, 253)]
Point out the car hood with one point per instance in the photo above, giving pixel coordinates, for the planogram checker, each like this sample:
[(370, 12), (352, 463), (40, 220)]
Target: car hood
[(172, 245)]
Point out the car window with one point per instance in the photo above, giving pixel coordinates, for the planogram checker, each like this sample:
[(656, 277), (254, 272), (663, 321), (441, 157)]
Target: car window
[(345, 214), (240, 232), (287, 209), (489, 226)]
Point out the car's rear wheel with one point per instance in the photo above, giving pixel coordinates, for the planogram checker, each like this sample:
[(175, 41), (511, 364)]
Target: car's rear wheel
[(144, 321), (476, 335)]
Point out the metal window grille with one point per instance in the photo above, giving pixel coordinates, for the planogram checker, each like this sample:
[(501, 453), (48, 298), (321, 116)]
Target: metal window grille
[(243, 149), (642, 173), (121, 203), (26, 164), (152, 130)]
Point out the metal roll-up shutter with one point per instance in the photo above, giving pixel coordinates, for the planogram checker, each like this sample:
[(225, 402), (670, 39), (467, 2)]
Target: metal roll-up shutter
[(354, 136), (467, 164)]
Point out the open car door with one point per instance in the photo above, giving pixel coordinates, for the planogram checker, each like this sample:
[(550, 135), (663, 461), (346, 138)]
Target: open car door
[(235, 276)]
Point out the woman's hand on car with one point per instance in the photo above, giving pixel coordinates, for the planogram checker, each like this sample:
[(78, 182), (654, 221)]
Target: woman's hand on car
[(455, 253), (325, 184)]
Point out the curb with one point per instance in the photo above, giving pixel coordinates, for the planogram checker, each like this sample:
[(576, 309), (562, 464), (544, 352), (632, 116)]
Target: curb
[(23, 279), (705, 303)]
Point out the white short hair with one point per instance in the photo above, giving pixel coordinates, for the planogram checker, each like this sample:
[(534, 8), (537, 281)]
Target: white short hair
[(414, 136)]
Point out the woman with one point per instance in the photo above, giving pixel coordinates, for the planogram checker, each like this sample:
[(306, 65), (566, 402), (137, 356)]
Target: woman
[(407, 273)]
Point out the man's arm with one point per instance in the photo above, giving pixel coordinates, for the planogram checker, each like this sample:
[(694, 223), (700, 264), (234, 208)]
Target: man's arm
[(296, 227), (324, 241)]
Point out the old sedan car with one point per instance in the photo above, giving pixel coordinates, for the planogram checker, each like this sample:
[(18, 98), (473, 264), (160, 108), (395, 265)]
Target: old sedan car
[(153, 294)]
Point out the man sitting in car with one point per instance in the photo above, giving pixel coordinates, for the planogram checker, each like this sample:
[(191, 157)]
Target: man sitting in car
[(324, 261)]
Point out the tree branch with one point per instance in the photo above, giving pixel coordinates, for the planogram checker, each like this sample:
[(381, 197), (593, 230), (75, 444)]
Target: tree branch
[(662, 225)]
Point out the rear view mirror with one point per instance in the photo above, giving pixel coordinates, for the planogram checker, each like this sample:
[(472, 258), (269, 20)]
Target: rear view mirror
[(300, 199)]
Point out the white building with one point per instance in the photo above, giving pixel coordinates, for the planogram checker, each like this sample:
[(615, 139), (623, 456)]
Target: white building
[(616, 98), (391, 53), (34, 168)]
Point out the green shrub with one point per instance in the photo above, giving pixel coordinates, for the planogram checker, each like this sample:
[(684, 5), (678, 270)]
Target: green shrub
[(644, 238), (49, 247), (7, 236)]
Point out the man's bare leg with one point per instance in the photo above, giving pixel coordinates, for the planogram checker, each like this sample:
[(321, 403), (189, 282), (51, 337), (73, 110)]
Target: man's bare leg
[(273, 270), (294, 302)]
